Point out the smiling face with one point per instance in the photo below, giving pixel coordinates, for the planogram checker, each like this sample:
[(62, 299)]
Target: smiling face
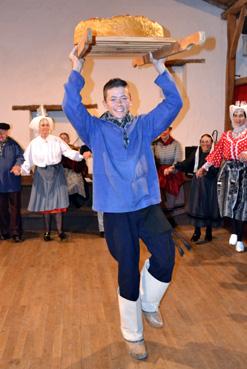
[(206, 143), (239, 118), (118, 101), (44, 128)]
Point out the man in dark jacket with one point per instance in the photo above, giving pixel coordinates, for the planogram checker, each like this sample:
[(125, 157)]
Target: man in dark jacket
[(11, 158)]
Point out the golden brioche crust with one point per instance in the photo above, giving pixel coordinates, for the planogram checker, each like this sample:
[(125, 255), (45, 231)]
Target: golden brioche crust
[(120, 25)]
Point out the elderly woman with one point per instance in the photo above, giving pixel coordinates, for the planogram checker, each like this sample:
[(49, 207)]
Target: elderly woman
[(49, 193), (167, 152), (231, 150), (202, 207)]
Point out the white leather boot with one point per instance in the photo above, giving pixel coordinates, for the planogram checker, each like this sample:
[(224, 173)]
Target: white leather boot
[(132, 327), (233, 239), (152, 290), (239, 246)]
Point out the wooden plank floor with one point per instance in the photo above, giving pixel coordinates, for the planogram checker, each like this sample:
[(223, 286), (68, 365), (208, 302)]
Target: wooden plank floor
[(58, 308)]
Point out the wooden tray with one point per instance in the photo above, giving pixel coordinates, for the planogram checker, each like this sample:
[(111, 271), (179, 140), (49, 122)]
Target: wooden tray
[(120, 45), (134, 46)]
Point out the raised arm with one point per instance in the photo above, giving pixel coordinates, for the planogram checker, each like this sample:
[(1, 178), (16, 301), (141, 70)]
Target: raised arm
[(164, 113), (159, 64), (77, 63), (73, 107)]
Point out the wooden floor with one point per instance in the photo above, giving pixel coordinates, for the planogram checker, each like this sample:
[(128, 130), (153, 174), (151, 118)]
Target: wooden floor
[(58, 308)]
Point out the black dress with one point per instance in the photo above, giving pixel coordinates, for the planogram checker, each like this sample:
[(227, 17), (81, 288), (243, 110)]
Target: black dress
[(202, 207)]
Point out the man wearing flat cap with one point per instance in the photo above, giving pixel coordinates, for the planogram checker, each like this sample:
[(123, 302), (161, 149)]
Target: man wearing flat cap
[(11, 158)]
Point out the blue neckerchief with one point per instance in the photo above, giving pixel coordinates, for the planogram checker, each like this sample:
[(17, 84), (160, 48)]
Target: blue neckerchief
[(122, 124)]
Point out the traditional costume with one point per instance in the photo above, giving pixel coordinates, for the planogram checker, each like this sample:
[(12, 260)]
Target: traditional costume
[(232, 180), (49, 192), (202, 207), (126, 190)]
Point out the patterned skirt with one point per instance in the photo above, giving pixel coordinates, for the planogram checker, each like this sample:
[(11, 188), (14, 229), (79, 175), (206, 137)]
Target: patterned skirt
[(49, 189), (232, 190)]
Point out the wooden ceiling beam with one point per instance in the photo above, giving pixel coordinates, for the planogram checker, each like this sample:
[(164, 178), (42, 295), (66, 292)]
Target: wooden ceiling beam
[(230, 68), (237, 32), (234, 9), (181, 62), (33, 108)]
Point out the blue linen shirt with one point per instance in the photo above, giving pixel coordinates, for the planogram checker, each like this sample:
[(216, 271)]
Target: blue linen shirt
[(12, 155), (124, 178)]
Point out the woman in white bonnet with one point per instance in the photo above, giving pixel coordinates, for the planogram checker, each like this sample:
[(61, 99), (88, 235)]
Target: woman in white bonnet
[(49, 193), (231, 151)]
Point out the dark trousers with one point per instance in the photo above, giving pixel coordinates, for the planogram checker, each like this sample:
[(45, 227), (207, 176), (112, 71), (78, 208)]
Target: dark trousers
[(10, 213), (122, 233), (238, 228)]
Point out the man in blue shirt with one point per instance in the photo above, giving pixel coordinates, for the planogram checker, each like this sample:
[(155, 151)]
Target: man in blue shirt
[(11, 158), (126, 190)]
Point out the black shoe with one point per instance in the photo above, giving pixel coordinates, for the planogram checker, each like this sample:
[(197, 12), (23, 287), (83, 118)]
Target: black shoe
[(17, 238), (208, 237), (62, 236), (195, 237), (102, 234), (47, 236), (208, 234), (4, 237)]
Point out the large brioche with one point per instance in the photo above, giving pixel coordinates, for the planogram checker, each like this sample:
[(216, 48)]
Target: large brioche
[(122, 25)]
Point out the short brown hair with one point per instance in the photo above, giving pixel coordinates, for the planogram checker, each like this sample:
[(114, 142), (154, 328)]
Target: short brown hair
[(115, 82)]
